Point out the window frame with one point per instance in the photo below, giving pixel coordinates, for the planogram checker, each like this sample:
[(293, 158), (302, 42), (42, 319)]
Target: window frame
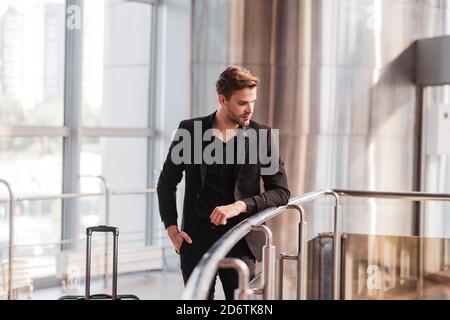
[(73, 131)]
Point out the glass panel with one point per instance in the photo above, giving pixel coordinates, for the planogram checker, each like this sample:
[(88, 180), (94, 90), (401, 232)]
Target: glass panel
[(390, 267), (31, 165), (436, 165), (32, 35), (37, 233), (92, 211), (123, 163), (128, 213), (381, 267), (116, 63)]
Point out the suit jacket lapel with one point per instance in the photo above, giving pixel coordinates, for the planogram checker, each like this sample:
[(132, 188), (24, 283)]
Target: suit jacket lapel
[(207, 124)]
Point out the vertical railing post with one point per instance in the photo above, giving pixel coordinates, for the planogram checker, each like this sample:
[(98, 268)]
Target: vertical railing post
[(421, 266), (280, 277), (11, 239), (269, 263), (243, 291), (336, 246), (115, 263), (107, 218), (301, 256), (87, 292), (284, 257)]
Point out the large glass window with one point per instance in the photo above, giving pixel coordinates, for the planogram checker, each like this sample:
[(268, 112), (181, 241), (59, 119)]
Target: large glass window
[(32, 62), (116, 93), (38, 132), (31, 165), (116, 63), (124, 162)]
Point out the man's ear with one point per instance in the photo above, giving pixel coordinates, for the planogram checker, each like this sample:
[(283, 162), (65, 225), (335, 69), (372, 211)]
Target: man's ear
[(222, 100)]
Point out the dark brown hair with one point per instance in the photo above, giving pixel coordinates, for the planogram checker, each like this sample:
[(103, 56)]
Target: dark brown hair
[(235, 78)]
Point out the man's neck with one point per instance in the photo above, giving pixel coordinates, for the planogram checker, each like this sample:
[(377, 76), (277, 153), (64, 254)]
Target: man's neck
[(224, 125)]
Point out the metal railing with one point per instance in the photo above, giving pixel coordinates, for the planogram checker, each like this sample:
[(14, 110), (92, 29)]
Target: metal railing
[(12, 200), (201, 278), (11, 238), (197, 287)]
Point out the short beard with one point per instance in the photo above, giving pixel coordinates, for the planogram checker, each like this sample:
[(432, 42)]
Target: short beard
[(233, 118)]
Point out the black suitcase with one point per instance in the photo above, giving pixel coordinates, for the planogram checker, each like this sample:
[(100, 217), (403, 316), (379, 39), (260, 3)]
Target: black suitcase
[(87, 294)]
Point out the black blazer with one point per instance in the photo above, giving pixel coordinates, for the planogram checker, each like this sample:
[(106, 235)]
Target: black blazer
[(247, 187)]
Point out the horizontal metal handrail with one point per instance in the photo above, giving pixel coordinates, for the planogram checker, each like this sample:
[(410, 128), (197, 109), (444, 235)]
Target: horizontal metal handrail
[(198, 284), (80, 195), (408, 196)]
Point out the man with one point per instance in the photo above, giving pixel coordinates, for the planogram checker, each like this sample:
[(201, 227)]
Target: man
[(223, 192)]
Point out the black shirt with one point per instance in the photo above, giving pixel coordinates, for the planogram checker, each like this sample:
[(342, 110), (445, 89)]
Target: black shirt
[(220, 180)]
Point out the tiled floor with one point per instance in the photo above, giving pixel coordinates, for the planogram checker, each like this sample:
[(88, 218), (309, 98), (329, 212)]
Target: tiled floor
[(152, 285)]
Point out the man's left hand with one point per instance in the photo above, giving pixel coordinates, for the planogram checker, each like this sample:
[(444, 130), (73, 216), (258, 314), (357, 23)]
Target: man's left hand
[(222, 213)]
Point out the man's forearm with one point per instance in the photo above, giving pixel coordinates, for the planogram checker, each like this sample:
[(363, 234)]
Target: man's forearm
[(167, 205), (270, 198)]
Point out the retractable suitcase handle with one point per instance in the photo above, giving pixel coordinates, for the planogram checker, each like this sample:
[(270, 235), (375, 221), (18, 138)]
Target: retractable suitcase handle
[(115, 232), (102, 228)]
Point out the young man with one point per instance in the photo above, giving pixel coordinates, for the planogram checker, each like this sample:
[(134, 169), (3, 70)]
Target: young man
[(222, 186)]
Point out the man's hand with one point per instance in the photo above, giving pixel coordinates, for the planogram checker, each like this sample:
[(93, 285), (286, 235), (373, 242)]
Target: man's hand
[(222, 213), (177, 237)]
